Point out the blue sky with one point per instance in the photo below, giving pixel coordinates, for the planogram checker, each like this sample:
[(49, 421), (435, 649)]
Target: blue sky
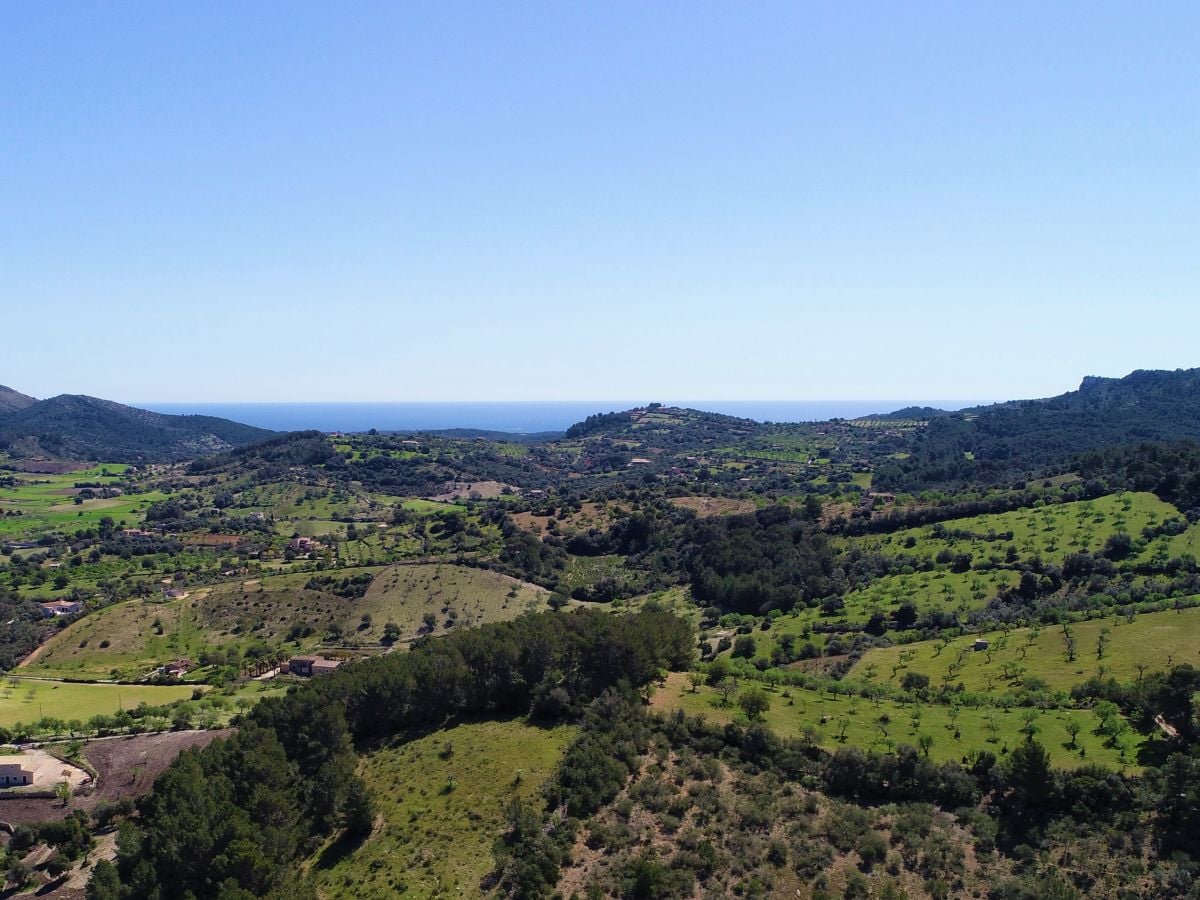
[(448, 201)]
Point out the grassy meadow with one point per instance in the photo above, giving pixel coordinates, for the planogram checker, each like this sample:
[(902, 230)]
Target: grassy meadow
[(27, 700), (1051, 532), (881, 725), (1153, 641), (456, 596), (440, 801)]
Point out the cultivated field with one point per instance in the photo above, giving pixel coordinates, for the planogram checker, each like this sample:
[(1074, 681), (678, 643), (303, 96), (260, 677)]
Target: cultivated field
[(27, 700), (454, 596), (881, 725), (1153, 642), (1051, 532)]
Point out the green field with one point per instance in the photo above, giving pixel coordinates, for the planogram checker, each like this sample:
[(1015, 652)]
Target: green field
[(822, 718), (1051, 532), (937, 590), (1155, 641), (440, 802), (456, 596), (39, 504), (27, 700)]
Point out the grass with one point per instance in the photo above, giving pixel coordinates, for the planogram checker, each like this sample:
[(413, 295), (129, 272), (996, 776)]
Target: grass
[(955, 734), (456, 596), (1051, 532), (27, 700), (133, 643), (230, 613), (927, 590), (47, 503), (439, 812), (1155, 641)]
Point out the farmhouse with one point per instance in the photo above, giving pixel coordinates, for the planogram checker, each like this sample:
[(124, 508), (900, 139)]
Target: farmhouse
[(307, 666), (61, 608), (178, 668), (302, 545), (13, 774), (981, 644)]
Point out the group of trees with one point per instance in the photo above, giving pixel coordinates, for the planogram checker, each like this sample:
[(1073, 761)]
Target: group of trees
[(231, 820)]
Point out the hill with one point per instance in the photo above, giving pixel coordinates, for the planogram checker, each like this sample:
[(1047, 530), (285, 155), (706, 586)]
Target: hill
[(73, 426), (11, 400), (1028, 438)]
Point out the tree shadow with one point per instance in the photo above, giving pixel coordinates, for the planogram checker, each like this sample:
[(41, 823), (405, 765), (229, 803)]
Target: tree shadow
[(343, 847)]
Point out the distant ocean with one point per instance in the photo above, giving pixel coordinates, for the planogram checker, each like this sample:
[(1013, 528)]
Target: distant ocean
[(519, 417)]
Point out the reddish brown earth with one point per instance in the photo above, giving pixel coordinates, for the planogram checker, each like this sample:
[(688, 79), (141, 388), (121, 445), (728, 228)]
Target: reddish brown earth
[(127, 767)]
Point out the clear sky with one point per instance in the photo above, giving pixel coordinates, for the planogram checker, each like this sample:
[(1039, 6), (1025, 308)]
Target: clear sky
[(524, 201)]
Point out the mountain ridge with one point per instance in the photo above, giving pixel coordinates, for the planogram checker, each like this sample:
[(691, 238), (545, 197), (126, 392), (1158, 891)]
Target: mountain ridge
[(78, 426)]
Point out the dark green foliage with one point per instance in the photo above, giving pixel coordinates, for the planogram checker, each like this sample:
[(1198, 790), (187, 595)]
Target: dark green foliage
[(78, 427), (104, 884), (597, 423), (1019, 440), (755, 563)]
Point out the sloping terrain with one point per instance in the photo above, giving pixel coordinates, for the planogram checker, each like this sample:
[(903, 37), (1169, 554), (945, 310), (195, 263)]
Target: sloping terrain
[(11, 400), (78, 427)]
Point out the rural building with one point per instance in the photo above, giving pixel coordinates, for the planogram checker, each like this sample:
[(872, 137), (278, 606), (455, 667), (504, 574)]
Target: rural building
[(640, 461), (13, 774), (981, 644), (61, 608), (178, 668), (302, 544), (307, 666)]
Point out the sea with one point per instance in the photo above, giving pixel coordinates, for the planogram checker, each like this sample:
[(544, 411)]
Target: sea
[(525, 417)]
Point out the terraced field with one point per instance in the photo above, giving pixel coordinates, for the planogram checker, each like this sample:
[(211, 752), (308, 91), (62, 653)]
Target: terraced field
[(883, 724), (1051, 532), (1151, 642)]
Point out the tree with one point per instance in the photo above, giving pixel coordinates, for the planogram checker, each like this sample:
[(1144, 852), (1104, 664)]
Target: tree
[(754, 703), (744, 646), (727, 687), (718, 670), (1073, 729), (104, 883), (1030, 779), (915, 682), (925, 742)]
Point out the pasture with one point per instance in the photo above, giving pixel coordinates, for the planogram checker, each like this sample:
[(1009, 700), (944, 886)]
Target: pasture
[(27, 700), (452, 596), (1051, 532), (39, 503), (440, 801), (881, 725), (1110, 647)]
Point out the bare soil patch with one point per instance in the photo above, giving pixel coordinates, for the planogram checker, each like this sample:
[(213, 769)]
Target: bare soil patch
[(714, 506), (127, 767), (464, 490)]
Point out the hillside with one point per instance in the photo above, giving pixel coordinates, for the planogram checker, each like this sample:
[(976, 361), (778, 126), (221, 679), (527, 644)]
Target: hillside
[(73, 426), (1030, 437), (11, 401)]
